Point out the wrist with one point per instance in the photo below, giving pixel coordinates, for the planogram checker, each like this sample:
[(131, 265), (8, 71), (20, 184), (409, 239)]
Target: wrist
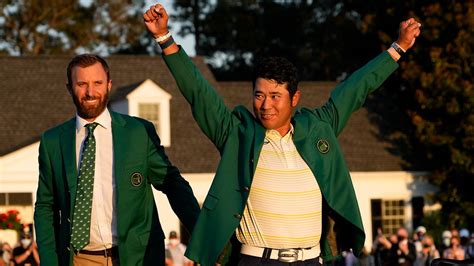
[(162, 37), (400, 50)]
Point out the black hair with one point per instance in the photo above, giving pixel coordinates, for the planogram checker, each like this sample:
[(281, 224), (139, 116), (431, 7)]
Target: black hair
[(280, 70)]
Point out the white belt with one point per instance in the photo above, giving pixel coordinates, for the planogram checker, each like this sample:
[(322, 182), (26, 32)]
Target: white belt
[(284, 255)]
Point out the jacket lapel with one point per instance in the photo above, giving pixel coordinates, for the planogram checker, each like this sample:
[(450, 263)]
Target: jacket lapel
[(68, 150), (300, 139), (118, 133)]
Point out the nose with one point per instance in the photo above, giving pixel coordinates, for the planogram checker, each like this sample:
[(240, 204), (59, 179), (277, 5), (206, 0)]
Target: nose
[(265, 104), (89, 91)]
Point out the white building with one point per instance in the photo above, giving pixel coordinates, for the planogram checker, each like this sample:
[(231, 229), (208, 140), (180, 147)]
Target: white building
[(34, 98)]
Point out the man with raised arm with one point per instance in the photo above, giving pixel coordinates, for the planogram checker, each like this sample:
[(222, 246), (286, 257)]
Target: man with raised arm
[(282, 192)]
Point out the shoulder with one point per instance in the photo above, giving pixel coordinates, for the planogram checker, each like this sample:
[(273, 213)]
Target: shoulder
[(129, 120), (54, 132)]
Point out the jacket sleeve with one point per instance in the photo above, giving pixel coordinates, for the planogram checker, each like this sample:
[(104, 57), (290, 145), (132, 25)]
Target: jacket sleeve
[(208, 108), (45, 213), (166, 177), (350, 95)]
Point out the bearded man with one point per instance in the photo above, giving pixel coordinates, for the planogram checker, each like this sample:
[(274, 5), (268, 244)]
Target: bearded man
[(95, 204)]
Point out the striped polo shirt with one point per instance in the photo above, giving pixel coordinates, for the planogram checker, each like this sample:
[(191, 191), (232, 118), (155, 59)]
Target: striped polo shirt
[(285, 203)]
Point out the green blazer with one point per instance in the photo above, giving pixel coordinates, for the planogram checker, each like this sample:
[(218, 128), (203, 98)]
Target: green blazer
[(137, 149), (239, 138)]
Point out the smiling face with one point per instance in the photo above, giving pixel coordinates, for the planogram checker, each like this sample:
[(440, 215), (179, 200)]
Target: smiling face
[(89, 88), (272, 105)]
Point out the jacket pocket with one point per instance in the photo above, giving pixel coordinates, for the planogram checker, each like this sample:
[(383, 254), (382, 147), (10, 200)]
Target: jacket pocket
[(210, 202)]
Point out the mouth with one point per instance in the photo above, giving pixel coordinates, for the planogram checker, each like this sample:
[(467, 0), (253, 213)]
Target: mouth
[(90, 101), (266, 116)]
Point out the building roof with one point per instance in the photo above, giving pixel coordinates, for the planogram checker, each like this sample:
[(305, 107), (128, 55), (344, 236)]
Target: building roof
[(34, 98)]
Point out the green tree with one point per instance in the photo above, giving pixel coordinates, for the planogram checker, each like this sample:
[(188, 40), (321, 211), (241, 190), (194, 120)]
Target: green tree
[(441, 78), (31, 27), (315, 35)]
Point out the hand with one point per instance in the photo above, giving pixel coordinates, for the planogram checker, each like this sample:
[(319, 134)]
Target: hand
[(409, 30), (403, 246), (156, 20)]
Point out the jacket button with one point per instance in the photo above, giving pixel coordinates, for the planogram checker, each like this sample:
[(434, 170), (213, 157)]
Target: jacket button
[(251, 161), (238, 216), (246, 188)]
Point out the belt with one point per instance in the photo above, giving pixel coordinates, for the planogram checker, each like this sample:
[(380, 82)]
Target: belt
[(284, 255), (110, 252)]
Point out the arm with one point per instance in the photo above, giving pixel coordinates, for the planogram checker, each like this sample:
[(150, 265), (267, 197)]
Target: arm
[(166, 177), (350, 95), (44, 209), (209, 110)]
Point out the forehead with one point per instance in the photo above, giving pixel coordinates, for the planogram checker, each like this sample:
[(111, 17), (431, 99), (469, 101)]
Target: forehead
[(93, 71), (269, 86)]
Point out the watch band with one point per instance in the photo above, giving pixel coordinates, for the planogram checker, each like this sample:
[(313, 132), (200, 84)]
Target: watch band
[(397, 48)]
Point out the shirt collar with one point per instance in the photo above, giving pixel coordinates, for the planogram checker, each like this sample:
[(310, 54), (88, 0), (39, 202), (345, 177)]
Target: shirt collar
[(273, 134), (104, 120)]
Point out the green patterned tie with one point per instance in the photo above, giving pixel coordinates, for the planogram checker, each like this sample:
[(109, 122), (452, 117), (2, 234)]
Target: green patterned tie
[(85, 185)]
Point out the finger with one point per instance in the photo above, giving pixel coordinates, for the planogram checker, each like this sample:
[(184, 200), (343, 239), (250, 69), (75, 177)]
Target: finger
[(147, 18), (152, 15), (160, 11)]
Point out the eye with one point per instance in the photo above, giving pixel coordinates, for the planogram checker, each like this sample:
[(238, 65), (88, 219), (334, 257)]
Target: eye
[(258, 96), (82, 84), (98, 82), (276, 96)]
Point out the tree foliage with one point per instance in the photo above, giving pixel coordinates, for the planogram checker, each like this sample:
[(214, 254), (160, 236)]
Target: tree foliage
[(426, 110), (315, 35), (31, 27), (441, 77)]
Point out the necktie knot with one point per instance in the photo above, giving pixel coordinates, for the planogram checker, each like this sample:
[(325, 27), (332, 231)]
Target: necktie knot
[(91, 127)]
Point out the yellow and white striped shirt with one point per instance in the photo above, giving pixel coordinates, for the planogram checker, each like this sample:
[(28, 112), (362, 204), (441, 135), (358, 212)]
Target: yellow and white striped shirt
[(285, 203)]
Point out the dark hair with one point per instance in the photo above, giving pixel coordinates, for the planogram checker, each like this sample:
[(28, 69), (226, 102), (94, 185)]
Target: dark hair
[(85, 60), (280, 70)]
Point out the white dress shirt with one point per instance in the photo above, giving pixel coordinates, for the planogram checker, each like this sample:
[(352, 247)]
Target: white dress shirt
[(103, 231)]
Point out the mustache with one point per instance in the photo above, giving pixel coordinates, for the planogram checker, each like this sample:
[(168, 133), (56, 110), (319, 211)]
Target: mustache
[(88, 98)]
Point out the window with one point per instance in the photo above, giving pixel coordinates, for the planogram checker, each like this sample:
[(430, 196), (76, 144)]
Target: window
[(150, 112), (388, 215)]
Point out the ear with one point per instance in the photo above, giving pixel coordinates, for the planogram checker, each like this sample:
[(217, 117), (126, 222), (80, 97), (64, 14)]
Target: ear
[(69, 88), (296, 98), (109, 85)]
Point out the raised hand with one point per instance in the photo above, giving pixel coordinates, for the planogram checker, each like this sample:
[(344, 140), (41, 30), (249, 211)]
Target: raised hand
[(156, 20), (409, 30)]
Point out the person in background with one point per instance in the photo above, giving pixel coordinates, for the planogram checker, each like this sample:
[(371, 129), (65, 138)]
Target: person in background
[(6, 255), (177, 249), (417, 241), (27, 252), (429, 252), (455, 252), (381, 249), (445, 241), (464, 235), (469, 250), (403, 253)]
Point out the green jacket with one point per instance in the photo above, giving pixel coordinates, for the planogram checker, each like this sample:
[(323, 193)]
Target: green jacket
[(239, 138), (137, 149)]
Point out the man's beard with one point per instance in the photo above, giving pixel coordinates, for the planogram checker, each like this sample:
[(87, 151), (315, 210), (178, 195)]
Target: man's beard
[(87, 111)]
